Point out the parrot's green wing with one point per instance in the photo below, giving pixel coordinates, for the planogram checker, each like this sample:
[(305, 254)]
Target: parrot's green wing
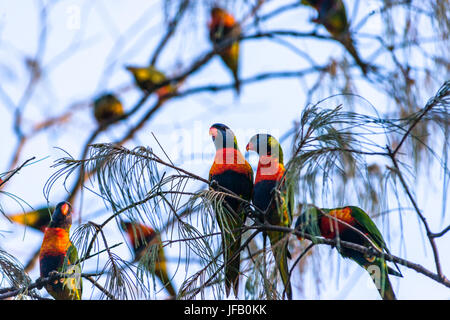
[(367, 223), (290, 200), (155, 76), (75, 284), (364, 220)]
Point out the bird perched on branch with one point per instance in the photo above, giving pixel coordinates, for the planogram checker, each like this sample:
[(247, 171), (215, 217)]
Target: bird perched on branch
[(222, 28), (107, 107), (149, 78), (142, 238), (231, 171), (332, 15), (36, 219), (351, 224), (59, 254), (271, 195)]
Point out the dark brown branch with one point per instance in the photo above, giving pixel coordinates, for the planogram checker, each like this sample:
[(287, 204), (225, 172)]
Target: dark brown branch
[(443, 91), (365, 250), (15, 171), (440, 234), (418, 211), (170, 31), (100, 287)]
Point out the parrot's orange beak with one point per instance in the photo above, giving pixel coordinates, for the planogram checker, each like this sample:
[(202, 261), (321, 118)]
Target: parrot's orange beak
[(250, 146), (65, 209), (213, 132)]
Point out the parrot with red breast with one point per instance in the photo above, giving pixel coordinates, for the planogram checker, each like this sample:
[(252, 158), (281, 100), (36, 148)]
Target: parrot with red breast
[(351, 224), (59, 254), (223, 27), (231, 171), (272, 197), (141, 238)]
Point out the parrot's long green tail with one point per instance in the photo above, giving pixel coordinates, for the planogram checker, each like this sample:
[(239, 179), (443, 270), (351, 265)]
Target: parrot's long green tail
[(284, 272), (231, 244), (281, 253), (161, 273), (163, 276), (387, 293), (231, 59), (232, 266), (237, 82), (381, 280), (347, 42)]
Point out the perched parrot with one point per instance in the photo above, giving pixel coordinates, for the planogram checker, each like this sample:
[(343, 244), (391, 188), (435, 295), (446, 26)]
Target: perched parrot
[(276, 206), (141, 238), (36, 219), (314, 222), (230, 170), (56, 248), (223, 26), (107, 107), (147, 78), (333, 17)]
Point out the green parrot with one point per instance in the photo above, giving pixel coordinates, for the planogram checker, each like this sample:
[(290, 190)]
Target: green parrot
[(223, 26), (57, 251), (278, 209), (231, 171), (148, 78), (333, 17), (315, 222), (141, 238), (107, 107)]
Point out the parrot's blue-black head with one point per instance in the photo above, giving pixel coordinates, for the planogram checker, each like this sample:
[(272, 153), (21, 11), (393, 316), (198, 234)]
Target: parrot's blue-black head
[(265, 145), (62, 216), (222, 136)]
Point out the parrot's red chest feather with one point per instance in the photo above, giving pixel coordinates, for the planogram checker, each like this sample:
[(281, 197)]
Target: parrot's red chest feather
[(329, 226), (56, 242), (229, 159), (269, 169), (138, 233)]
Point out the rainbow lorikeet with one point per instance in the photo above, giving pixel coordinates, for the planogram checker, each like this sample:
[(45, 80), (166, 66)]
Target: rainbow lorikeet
[(277, 206), (107, 107), (230, 170), (223, 27), (148, 78), (59, 254), (36, 219), (333, 17), (141, 238), (315, 222)]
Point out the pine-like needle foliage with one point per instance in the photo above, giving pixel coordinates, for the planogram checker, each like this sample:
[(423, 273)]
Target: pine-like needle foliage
[(338, 157)]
